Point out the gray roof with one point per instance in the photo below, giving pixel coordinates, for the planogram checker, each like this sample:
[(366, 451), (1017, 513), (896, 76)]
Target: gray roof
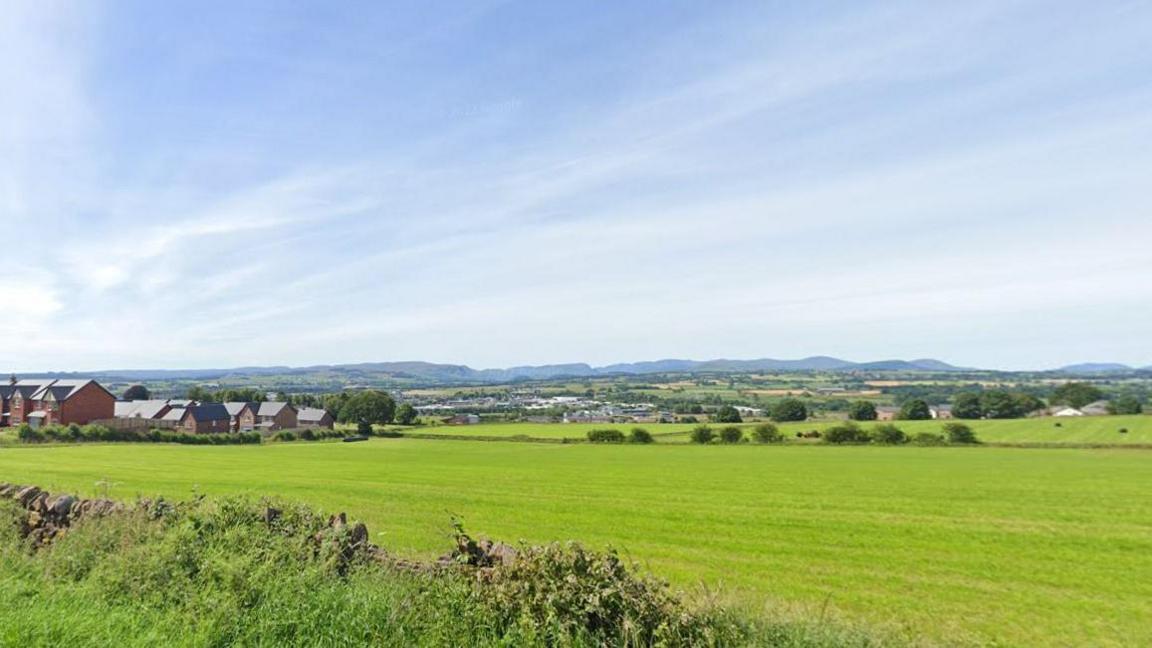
[(234, 409), (271, 408), (146, 409), (61, 390), (174, 414), (209, 412), (311, 414)]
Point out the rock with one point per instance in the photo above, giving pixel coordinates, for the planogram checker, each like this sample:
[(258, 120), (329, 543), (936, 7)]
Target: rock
[(61, 505), (271, 515), (27, 494)]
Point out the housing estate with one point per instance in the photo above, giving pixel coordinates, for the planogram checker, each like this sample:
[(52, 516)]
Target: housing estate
[(54, 402)]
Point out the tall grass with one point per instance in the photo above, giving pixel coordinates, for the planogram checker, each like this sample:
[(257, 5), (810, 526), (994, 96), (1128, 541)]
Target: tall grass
[(214, 572)]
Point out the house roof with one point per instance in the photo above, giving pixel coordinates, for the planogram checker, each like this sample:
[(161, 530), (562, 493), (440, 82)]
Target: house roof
[(174, 414), (234, 409), (271, 408), (61, 390), (147, 409), (209, 412), (311, 414)]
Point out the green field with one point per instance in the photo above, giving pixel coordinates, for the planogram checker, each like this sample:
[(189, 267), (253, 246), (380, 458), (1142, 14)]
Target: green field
[(1104, 430), (1020, 546)]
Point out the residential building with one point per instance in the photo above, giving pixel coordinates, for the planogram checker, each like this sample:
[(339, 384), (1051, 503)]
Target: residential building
[(274, 416), (243, 416), (55, 402), (142, 409), (212, 418), (311, 417)]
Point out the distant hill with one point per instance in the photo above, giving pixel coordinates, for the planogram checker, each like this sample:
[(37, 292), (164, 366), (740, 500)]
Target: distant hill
[(1098, 367), (430, 372)]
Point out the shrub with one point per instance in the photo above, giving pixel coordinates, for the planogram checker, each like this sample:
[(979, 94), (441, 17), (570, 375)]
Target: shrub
[(284, 435), (28, 435), (639, 435), (702, 434), (731, 434), (845, 433), (928, 439), (888, 434), (767, 433), (959, 433), (364, 428), (605, 436), (307, 435)]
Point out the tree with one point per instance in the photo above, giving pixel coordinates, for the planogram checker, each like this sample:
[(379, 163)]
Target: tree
[(915, 410), (1126, 405), (1076, 394), (727, 414), (999, 405), (371, 406), (640, 435), (406, 414), (862, 410), (789, 409), (845, 433), (966, 405), (137, 392)]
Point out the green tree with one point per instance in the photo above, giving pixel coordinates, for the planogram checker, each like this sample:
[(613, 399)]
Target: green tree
[(406, 414), (1126, 405), (862, 410), (915, 410), (999, 405), (888, 434), (1076, 394), (966, 405), (371, 406), (137, 392), (789, 409), (727, 414)]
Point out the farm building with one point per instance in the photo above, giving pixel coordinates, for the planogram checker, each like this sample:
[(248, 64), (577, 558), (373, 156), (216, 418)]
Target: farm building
[(54, 402), (1067, 411), (464, 419), (313, 418)]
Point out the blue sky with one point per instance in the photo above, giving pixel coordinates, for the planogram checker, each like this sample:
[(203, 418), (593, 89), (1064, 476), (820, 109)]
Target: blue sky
[(193, 184)]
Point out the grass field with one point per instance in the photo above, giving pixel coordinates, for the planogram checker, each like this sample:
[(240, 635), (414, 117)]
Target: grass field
[(1103, 430), (1018, 546)]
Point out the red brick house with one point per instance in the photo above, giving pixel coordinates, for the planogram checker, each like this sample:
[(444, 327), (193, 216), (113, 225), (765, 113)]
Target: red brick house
[(276, 416), (243, 416), (211, 418), (55, 402)]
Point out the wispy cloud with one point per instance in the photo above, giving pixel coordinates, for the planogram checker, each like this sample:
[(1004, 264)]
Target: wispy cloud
[(866, 181)]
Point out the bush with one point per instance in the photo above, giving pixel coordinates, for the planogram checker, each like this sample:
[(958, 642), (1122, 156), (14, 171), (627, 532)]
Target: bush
[(845, 433), (284, 435), (364, 428), (702, 434), (767, 433), (929, 439), (640, 435), (605, 436), (888, 434), (731, 434), (959, 433)]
